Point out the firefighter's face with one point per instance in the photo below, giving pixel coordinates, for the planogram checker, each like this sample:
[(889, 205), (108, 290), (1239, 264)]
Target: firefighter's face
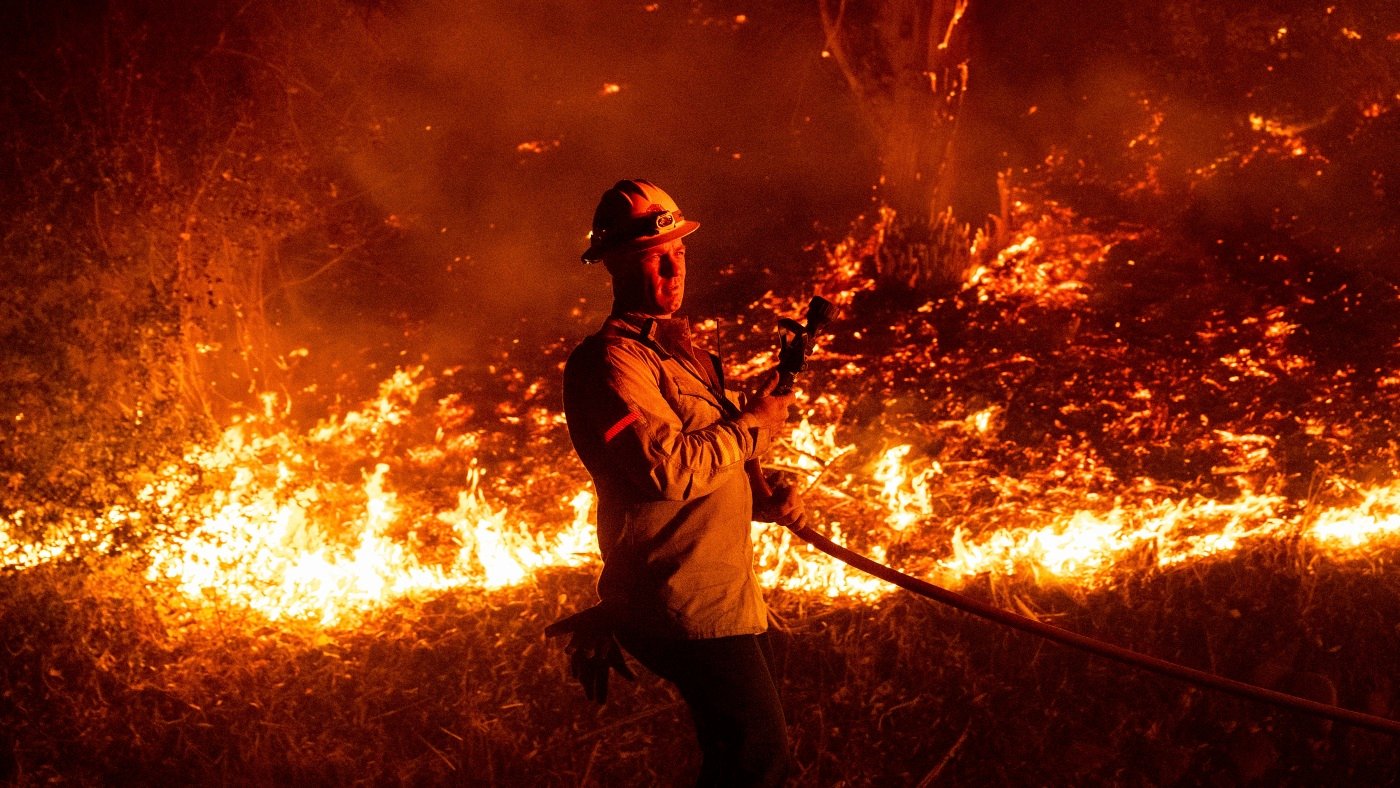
[(650, 281)]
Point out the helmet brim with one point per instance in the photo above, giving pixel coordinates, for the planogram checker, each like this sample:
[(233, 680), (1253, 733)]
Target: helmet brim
[(597, 252)]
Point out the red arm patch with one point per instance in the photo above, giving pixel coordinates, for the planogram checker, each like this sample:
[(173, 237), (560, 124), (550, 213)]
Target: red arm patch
[(621, 425)]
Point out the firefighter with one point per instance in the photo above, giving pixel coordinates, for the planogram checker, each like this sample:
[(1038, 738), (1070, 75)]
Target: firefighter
[(666, 444)]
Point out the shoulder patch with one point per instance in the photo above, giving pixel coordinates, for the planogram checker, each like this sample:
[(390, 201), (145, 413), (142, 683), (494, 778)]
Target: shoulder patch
[(622, 424)]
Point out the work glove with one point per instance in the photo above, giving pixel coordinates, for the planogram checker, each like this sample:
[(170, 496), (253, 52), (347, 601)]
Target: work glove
[(783, 507), (593, 651), (770, 410)]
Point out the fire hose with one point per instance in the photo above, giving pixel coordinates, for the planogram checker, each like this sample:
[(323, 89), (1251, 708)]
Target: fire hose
[(792, 359), (1094, 646)]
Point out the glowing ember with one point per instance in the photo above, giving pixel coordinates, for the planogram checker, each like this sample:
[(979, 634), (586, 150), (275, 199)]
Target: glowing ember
[(537, 146)]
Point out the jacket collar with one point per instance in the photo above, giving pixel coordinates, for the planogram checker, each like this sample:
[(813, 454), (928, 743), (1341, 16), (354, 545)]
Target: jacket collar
[(671, 339), (646, 328)]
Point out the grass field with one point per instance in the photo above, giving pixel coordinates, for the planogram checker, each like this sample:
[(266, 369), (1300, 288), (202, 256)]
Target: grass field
[(99, 687)]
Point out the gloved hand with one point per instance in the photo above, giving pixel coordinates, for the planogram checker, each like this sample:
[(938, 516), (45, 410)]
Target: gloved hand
[(768, 409), (593, 651), (783, 507)]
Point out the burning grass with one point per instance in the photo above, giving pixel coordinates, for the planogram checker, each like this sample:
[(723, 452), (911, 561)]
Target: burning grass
[(1072, 434)]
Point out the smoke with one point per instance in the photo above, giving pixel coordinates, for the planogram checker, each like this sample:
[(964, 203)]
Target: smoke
[(489, 130), (1266, 130), (383, 180)]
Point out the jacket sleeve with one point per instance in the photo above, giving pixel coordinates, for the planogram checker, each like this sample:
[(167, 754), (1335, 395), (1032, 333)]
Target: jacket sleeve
[(652, 451)]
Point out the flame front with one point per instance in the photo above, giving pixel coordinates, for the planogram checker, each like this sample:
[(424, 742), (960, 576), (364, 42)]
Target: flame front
[(257, 522), (391, 500)]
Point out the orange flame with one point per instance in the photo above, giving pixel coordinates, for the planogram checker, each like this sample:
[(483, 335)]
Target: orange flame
[(330, 523)]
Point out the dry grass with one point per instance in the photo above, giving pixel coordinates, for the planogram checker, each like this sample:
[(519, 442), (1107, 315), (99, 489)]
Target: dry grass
[(100, 687)]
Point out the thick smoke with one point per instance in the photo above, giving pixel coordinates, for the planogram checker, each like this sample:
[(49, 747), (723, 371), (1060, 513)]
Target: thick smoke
[(378, 180), (1264, 129), (496, 126)]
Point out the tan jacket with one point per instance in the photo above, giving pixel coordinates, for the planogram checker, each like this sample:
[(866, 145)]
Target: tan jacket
[(666, 447)]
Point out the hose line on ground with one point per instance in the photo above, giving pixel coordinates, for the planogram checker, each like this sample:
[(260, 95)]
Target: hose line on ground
[(1065, 637)]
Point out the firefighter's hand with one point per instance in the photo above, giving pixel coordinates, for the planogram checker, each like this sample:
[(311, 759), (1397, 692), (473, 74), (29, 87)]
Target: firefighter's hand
[(590, 662), (593, 652), (783, 507), (768, 409)]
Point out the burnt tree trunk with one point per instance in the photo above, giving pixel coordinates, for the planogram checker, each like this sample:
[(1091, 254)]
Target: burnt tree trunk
[(906, 62)]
